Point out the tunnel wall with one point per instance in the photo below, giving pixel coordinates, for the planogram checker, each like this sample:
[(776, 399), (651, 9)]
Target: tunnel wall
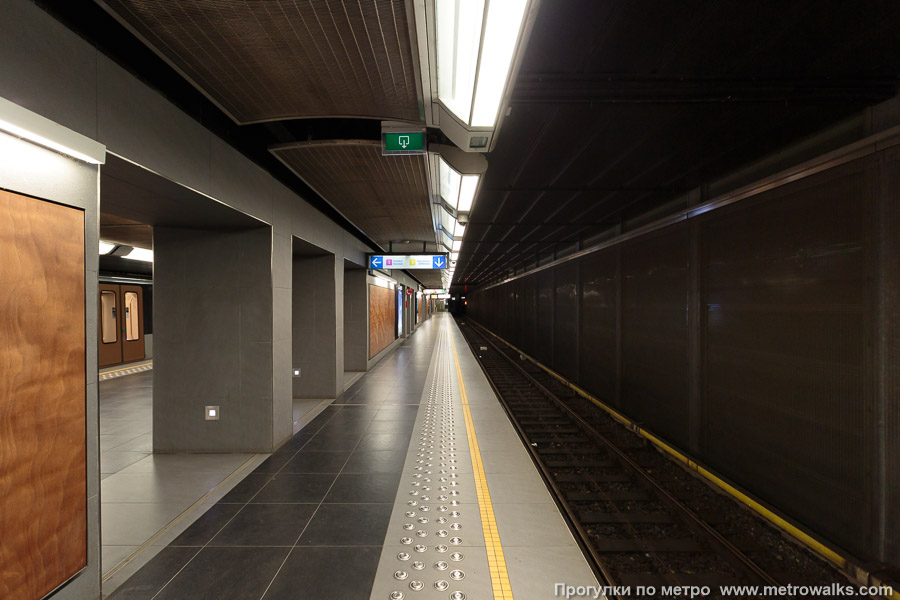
[(760, 336)]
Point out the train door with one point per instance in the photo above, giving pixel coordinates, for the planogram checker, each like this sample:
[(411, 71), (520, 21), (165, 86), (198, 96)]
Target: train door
[(121, 324), (132, 299), (109, 324)]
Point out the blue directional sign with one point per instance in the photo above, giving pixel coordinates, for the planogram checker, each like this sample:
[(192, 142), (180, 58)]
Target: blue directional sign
[(407, 261)]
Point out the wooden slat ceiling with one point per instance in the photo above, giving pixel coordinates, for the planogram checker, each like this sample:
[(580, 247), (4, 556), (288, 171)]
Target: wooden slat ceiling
[(284, 59), (385, 196)]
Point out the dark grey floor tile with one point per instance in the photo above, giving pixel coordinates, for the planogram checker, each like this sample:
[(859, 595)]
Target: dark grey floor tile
[(385, 441), (376, 461), (405, 427), (292, 488), (323, 573), (207, 526), (396, 412), (367, 487), (297, 442), (226, 574), (344, 427), (371, 394), (335, 442), (247, 488), (314, 461), (150, 578), (274, 463), (265, 525), (347, 525)]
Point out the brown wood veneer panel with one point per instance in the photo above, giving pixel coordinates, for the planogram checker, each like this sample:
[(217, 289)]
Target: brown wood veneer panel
[(43, 478), (382, 308)]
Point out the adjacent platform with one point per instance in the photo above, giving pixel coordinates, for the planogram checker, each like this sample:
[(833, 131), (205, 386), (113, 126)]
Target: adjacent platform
[(411, 485)]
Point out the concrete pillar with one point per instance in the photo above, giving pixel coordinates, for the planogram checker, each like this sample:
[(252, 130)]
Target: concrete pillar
[(314, 328), (356, 320), (213, 337)]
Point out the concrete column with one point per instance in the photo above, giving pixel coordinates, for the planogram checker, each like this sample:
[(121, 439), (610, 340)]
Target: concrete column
[(314, 327), (213, 330), (282, 284), (356, 320)]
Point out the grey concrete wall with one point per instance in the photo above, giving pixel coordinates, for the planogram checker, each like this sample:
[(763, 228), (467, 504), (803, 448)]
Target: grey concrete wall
[(314, 327), (55, 73), (34, 171), (356, 319), (212, 323), (75, 85)]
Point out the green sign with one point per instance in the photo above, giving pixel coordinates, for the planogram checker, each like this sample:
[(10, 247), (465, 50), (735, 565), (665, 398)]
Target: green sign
[(412, 142)]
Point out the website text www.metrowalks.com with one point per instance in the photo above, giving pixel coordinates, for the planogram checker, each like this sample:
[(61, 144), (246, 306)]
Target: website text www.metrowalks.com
[(834, 590)]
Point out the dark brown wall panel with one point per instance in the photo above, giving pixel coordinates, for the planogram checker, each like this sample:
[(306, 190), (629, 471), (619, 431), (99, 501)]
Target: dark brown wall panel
[(654, 331), (565, 321), (770, 326), (784, 306), (543, 350), (382, 316), (888, 219), (598, 325), (43, 477)]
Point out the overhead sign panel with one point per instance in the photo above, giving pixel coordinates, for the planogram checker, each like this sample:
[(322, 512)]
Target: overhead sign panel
[(407, 142), (407, 261)]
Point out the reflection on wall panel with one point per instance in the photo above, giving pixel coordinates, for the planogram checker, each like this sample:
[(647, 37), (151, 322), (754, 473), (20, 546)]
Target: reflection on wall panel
[(784, 304), (381, 318), (796, 343), (43, 477), (565, 321), (545, 298), (598, 325), (654, 331)]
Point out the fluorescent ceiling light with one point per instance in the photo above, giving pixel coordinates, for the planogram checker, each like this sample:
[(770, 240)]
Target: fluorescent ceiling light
[(454, 256), (106, 247), (459, 231), (30, 126), (500, 35), (472, 71), (457, 244), (458, 38), (140, 254), (450, 181), (467, 192), (448, 223)]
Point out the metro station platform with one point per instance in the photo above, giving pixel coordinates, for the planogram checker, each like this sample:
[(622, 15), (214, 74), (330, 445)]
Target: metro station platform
[(413, 484)]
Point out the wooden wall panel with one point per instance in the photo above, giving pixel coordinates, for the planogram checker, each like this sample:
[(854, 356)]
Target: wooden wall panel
[(43, 478), (382, 311)]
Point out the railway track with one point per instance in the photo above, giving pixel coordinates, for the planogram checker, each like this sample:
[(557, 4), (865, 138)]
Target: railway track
[(634, 520)]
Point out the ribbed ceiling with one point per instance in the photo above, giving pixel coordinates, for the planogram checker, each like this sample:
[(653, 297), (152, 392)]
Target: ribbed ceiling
[(385, 196), (284, 59)]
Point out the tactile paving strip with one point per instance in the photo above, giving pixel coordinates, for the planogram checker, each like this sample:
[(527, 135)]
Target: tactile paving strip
[(124, 371), (434, 546)]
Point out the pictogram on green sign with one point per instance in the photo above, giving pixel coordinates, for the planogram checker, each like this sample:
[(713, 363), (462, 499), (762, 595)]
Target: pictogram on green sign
[(404, 143)]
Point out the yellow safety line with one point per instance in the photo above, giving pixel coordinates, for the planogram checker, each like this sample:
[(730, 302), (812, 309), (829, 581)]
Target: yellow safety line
[(125, 368), (831, 555), (496, 561)]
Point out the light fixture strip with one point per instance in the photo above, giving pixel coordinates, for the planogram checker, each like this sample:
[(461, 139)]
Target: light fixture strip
[(484, 23), (501, 36), (30, 126)]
